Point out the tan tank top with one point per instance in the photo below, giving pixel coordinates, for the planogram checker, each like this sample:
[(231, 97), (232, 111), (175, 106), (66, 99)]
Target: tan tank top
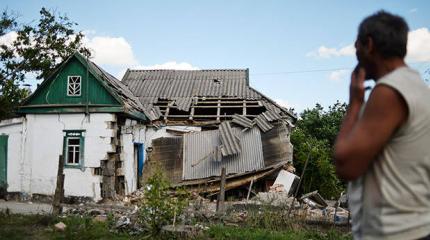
[(396, 188)]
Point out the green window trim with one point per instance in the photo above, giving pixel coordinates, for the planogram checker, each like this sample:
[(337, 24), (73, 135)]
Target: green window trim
[(76, 148)]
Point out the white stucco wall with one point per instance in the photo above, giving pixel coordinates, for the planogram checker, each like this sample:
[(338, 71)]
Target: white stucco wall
[(36, 141), (131, 133), (13, 128), (41, 145), (152, 133)]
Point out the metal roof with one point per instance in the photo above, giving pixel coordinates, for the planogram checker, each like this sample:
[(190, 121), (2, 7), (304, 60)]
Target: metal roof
[(262, 123), (190, 83), (229, 140), (242, 121), (184, 85), (200, 150), (271, 115)]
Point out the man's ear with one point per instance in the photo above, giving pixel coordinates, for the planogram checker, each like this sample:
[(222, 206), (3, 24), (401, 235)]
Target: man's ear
[(370, 47)]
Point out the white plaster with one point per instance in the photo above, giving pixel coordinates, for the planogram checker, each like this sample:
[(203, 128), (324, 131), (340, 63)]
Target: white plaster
[(129, 163), (35, 170), (154, 133), (13, 128), (131, 133), (36, 141)]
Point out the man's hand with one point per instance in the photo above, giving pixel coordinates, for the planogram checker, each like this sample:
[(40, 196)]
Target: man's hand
[(356, 88)]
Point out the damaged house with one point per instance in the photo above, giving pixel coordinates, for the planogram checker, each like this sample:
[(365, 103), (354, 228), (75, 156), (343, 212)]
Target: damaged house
[(111, 133)]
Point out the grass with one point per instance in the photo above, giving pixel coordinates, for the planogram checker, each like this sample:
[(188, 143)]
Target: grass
[(14, 226), (220, 232)]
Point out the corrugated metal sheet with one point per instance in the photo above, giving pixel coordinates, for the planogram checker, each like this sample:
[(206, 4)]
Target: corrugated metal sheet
[(182, 85), (230, 142), (272, 116), (262, 123), (183, 103), (242, 121), (188, 83), (200, 150)]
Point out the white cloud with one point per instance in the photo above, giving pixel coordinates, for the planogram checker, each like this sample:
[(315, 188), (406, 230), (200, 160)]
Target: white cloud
[(418, 48), (419, 45), (326, 52), (114, 51), (413, 10), (283, 103), (338, 75), (8, 38), (169, 65)]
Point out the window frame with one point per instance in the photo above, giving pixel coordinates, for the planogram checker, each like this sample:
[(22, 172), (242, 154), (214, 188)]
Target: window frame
[(74, 134), (68, 85)]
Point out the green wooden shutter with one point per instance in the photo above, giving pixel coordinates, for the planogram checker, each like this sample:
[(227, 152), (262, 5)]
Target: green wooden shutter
[(3, 161)]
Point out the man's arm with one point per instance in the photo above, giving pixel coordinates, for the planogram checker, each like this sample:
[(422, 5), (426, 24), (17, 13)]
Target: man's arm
[(361, 139)]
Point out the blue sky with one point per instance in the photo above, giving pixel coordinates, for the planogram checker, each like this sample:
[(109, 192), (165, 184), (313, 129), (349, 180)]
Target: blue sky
[(285, 44)]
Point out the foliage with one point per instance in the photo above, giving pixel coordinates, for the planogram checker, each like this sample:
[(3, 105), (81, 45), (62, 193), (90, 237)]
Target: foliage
[(14, 226), (314, 135), (159, 206), (36, 50), (235, 233)]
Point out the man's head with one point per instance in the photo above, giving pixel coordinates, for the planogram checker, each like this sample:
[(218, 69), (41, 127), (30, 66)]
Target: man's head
[(381, 36)]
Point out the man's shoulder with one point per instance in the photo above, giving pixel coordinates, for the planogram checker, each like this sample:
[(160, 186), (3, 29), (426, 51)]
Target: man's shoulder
[(402, 74)]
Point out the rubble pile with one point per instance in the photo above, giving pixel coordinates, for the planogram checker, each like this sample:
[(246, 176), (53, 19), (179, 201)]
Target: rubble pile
[(309, 208)]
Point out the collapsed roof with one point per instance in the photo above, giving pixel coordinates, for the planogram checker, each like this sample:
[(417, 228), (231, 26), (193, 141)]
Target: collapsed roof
[(197, 157), (201, 95)]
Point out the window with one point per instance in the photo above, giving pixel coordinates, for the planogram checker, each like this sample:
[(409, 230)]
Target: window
[(74, 86), (74, 148)]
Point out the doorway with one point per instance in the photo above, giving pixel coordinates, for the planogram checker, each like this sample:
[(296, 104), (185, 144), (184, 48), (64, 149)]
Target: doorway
[(3, 163)]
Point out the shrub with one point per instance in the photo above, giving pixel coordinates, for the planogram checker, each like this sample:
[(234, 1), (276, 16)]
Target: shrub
[(160, 206)]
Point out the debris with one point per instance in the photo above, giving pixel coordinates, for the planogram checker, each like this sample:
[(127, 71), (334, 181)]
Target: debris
[(182, 231), (60, 226), (122, 222), (277, 188), (95, 212), (100, 218), (273, 198), (341, 216), (285, 181), (315, 199)]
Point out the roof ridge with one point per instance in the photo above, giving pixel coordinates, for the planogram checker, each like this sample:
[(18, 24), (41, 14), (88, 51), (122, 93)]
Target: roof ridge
[(194, 70)]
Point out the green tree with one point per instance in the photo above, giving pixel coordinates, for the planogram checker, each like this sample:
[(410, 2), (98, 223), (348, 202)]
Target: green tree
[(36, 49), (314, 135)]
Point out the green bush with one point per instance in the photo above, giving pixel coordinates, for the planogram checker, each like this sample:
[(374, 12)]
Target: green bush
[(315, 133), (160, 206)]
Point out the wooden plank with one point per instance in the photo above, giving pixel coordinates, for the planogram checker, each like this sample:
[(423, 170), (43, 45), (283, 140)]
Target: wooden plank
[(226, 101), (249, 190), (205, 116), (59, 190), (221, 196), (167, 112), (218, 111), (191, 114), (217, 106)]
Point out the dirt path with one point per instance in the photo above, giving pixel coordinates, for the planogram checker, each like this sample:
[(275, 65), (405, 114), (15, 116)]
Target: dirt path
[(25, 207)]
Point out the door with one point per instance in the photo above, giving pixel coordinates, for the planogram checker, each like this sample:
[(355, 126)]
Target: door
[(138, 149), (3, 162)]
